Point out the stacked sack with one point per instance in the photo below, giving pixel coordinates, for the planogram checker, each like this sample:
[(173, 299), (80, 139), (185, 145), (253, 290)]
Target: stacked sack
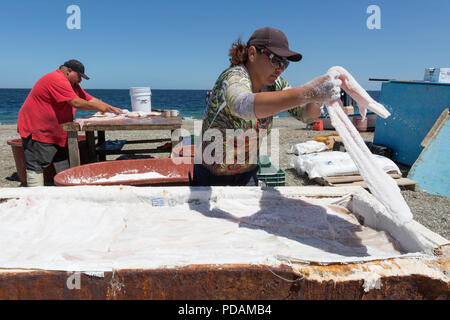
[(334, 163)]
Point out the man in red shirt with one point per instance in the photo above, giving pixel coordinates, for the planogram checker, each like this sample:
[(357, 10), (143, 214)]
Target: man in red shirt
[(53, 101)]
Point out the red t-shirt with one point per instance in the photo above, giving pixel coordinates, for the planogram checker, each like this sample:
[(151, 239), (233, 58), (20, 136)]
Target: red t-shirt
[(46, 108)]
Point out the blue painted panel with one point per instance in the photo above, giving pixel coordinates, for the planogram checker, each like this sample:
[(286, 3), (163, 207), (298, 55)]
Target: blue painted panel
[(432, 168), (414, 107)]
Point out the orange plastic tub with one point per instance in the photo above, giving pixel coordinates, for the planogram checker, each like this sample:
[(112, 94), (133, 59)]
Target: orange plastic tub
[(49, 172), (318, 125), (183, 151), (361, 125), (139, 172)]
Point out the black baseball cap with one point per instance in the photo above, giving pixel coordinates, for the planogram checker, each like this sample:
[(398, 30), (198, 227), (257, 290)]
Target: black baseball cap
[(275, 41), (76, 66)]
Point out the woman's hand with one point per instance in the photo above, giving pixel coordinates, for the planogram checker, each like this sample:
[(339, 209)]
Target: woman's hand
[(318, 91), (322, 89)]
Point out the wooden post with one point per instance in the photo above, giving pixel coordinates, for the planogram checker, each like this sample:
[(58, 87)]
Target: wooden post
[(101, 140), (90, 139), (74, 152)]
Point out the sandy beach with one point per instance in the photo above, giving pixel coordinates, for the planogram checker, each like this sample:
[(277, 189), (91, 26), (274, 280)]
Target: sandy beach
[(430, 210)]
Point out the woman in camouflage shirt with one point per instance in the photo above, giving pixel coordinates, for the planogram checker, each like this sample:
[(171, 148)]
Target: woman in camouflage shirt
[(242, 104)]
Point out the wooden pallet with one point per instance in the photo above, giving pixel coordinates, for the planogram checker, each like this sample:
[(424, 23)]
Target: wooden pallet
[(357, 180)]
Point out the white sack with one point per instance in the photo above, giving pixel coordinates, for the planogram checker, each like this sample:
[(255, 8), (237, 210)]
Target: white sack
[(335, 163), (308, 147)]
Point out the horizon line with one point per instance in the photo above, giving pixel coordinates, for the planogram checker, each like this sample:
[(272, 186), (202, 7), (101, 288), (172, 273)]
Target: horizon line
[(109, 89), (129, 89)]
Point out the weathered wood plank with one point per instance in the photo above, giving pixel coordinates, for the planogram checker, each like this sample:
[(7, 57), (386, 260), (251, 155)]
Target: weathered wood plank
[(431, 169), (119, 127), (435, 129), (401, 182), (148, 141), (72, 145), (71, 126), (357, 180), (353, 178), (153, 123), (132, 151)]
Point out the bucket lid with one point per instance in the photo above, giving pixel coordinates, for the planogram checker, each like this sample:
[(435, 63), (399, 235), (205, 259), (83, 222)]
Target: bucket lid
[(139, 89), (140, 94)]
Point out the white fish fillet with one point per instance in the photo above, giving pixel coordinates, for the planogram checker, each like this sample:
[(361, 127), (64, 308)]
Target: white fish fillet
[(109, 116), (99, 117), (362, 98), (382, 186)]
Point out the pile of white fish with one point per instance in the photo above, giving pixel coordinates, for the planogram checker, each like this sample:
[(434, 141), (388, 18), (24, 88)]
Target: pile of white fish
[(110, 116)]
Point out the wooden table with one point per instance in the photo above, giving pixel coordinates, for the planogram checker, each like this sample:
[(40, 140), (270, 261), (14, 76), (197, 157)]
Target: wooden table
[(150, 123)]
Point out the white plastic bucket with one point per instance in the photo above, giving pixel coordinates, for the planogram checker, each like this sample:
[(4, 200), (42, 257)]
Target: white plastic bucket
[(135, 90), (141, 99)]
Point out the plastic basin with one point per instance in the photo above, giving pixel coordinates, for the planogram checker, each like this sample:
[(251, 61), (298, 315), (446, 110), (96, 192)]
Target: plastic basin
[(139, 172), (49, 172), (318, 125), (183, 151), (361, 125)]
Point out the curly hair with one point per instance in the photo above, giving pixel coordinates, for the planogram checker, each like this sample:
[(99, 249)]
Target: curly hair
[(238, 53)]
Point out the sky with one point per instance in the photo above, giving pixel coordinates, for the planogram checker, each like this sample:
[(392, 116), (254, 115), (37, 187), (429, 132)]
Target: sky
[(184, 44)]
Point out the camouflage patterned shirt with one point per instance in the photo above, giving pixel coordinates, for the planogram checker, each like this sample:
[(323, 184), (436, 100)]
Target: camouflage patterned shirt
[(231, 83)]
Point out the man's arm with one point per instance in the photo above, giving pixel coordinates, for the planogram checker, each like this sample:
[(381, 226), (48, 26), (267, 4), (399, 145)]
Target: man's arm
[(93, 104), (96, 99)]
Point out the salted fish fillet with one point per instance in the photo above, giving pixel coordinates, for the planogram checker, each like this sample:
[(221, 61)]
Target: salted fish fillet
[(362, 98), (109, 116), (99, 117), (382, 186)]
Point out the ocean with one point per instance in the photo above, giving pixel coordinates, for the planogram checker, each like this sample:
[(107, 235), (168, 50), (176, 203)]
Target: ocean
[(190, 103)]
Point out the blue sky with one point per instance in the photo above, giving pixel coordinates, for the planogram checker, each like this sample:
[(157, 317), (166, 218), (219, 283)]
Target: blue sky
[(184, 44)]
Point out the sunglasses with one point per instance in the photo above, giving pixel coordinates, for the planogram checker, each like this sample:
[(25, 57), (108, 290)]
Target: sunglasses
[(277, 62)]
